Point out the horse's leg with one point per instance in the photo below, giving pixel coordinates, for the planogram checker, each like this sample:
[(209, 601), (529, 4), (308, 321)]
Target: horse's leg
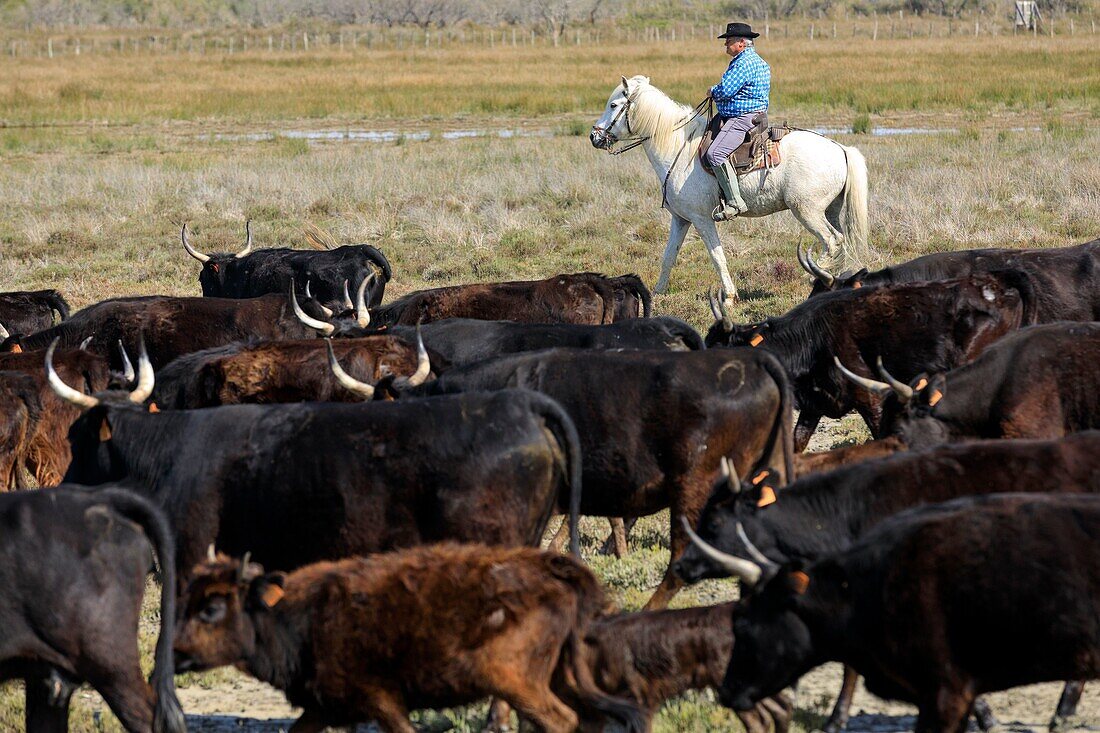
[(709, 234), (677, 230), (817, 223)]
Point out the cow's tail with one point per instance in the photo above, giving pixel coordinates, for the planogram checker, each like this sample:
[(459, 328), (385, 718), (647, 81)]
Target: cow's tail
[(58, 303), (854, 217), (375, 255), (782, 438), (691, 338), (559, 422), (634, 284), (168, 714), (572, 665)]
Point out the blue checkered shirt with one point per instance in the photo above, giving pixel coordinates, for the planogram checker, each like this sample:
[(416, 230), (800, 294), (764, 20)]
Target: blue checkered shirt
[(745, 85)]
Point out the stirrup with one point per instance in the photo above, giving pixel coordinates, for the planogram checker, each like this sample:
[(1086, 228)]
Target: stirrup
[(725, 212)]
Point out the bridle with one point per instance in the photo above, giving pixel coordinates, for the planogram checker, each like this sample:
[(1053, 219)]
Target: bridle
[(605, 132)]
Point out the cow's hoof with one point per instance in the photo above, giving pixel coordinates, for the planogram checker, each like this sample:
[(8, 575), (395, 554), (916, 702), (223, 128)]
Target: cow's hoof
[(1065, 722)]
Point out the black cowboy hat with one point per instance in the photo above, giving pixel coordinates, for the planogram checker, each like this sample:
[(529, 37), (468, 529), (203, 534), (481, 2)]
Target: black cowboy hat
[(739, 30)]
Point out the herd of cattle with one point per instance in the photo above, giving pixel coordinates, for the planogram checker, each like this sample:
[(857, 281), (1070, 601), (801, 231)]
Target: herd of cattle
[(345, 498)]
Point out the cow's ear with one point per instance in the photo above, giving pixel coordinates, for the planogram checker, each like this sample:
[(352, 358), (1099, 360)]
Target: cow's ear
[(935, 391), (104, 428), (919, 382), (267, 590)]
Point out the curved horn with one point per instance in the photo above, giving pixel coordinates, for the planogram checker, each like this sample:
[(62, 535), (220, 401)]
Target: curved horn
[(754, 553), (146, 379), (191, 250), (84, 344), (349, 382), (362, 315), (818, 271), (325, 328), (880, 388), (746, 570), (800, 253), (718, 305), (243, 569), (3, 332), (905, 392), (326, 311), (729, 472), (348, 304), (423, 365), (127, 366), (211, 554), (247, 241), (63, 390)]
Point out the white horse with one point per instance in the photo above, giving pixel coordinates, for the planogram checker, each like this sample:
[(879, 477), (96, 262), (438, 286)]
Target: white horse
[(823, 183)]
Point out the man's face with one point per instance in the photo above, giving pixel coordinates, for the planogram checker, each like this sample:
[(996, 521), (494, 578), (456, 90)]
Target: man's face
[(735, 46)]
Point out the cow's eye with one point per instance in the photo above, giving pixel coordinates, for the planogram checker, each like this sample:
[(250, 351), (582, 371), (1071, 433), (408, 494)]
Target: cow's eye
[(213, 611)]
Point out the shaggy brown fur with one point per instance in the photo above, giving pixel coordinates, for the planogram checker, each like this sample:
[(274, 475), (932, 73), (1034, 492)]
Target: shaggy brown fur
[(20, 409), (372, 638), (48, 453)]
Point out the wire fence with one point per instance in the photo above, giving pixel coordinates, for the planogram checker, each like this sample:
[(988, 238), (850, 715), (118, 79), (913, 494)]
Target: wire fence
[(894, 26)]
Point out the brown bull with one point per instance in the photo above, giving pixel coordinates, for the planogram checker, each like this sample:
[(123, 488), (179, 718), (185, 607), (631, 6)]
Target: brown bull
[(285, 371), (371, 638), (651, 656), (20, 409), (48, 454)]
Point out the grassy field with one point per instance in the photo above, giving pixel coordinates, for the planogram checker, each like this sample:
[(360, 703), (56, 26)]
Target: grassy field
[(95, 209), (977, 78)]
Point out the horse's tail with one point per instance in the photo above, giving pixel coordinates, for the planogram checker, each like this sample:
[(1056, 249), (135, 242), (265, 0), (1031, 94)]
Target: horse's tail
[(854, 215)]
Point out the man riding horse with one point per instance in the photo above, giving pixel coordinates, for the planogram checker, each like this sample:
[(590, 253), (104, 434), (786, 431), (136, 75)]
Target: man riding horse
[(739, 97)]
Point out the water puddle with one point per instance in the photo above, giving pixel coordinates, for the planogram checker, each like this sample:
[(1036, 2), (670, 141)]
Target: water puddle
[(393, 136)]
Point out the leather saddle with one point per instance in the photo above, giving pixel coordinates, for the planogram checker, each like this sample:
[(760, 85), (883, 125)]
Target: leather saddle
[(759, 149)]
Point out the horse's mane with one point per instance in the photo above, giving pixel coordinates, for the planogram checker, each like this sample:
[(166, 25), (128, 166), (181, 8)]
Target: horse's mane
[(656, 116)]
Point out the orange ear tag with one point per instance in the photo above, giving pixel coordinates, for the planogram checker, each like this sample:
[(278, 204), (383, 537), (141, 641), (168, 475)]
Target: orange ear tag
[(104, 431), (153, 407), (801, 581), (272, 595), (16, 349), (858, 285), (759, 477), (767, 496), (936, 397), (922, 384), (756, 340)]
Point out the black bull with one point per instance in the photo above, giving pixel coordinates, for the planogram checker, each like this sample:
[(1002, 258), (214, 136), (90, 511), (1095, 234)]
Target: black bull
[(249, 274), (913, 328), (1063, 282), (827, 512), (936, 606), (73, 565), (172, 326), (294, 484), (653, 425)]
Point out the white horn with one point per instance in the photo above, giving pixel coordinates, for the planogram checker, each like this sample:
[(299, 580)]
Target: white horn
[(248, 240), (127, 366), (880, 388), (211, 554), (905, 392), (349, 382), (738, 567), (84, 344), (191, 250), (348, 304), (362, 315), (63, 390), (325, 328), (423, 364), (146, 379), (326, 311), (818, 271), (3, 332), (754, 553)]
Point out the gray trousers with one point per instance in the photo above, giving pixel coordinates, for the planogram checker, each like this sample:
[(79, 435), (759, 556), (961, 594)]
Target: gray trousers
[(731, 136)]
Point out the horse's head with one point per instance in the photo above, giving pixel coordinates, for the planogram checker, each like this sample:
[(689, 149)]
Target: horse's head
[(614, 123)]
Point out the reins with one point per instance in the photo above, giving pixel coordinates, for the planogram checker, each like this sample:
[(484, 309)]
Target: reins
[(706, 104)]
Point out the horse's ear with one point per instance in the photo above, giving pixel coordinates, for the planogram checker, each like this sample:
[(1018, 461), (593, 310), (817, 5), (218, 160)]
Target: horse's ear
[(626, 86), (645, 79)]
